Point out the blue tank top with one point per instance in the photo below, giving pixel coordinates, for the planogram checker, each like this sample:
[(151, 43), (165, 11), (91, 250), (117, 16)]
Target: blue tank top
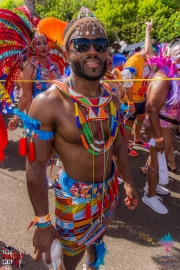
[(41, 74)]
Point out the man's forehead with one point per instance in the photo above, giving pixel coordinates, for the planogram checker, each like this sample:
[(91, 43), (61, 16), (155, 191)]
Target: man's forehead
[(90, 35)]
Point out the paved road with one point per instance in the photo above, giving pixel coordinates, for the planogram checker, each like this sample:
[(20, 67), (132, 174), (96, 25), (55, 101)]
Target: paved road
[(132, 238)]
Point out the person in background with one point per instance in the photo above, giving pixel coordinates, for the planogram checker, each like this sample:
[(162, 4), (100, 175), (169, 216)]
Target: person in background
[(164, 117), (136, 98), (116, 46)]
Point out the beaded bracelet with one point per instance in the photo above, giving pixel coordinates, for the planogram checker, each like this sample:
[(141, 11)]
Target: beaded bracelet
[(159, 139), (131, 103), (43, 225), (42, 219)]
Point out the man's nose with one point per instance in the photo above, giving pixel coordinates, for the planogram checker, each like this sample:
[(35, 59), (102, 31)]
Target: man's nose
[(92, 50)]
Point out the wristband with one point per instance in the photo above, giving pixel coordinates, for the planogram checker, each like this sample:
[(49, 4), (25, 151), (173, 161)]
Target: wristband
[(43, 225), (42, 219), (131, 103), (16, 117), (159, 139)]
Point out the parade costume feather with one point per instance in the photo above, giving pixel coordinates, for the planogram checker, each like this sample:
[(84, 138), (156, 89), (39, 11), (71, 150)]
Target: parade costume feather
[(53, 29), (16, 36)]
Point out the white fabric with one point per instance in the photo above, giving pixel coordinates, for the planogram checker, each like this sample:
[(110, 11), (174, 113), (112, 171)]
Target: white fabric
[(163, 170)]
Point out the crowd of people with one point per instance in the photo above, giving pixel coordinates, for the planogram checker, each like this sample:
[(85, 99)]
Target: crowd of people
[(86, 115)]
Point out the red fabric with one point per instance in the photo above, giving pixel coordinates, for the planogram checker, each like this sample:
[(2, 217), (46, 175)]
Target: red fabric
[(106, 202), (88, 210), (115, 188), (3, 137), (23, 147), (31, 152), (122, 130), (100, 206), (111, 195)]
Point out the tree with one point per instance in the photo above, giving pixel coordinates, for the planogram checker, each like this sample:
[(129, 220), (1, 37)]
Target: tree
[(31, 7), (63, 9), (10, 4)]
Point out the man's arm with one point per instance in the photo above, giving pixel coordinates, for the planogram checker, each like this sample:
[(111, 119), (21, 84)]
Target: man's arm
[(158, 92), (36, 172), (120, 151)]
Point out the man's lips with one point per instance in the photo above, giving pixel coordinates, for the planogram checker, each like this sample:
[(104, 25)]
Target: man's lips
[(92, 63)]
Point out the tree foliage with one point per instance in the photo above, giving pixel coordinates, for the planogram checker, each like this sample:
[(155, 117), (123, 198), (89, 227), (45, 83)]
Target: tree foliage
[(122, 18), (10, 4)]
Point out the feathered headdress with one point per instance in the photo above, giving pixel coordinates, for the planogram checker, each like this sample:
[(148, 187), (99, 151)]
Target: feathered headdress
[(164, 63), (53, 29), (16, 35)]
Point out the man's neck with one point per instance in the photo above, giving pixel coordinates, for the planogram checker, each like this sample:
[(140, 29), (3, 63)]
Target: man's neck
[(85, 87)]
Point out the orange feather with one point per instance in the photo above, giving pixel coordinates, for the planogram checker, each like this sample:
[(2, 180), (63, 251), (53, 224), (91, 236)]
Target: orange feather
[(53, 29)]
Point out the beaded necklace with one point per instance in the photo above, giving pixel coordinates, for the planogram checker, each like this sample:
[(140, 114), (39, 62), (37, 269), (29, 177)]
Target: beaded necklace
[(95, 147), (94, 106), (92, 145), (86, 134)]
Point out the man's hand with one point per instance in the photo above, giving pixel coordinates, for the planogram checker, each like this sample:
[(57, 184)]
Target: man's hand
[(13, 124), (159, 146), (132, 198), (149, 25), (132, 109), (42, 241)]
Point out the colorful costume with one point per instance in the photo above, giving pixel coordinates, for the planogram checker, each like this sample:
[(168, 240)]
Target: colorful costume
[(77, 231), (16, 36), (42, 75), (170, 112)]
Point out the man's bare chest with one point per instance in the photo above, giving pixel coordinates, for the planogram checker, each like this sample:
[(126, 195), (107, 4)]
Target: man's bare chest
[(67, 126)]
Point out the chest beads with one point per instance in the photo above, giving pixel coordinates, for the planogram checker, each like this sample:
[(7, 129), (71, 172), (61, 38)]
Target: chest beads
[(95, 111)]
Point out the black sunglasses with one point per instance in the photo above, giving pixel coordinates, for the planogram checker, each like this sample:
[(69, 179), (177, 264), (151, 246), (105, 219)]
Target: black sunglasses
[(83, 44)]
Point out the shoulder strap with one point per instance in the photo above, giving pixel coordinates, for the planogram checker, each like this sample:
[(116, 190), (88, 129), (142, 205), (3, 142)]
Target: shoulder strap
[(61, 86), (107, 87)]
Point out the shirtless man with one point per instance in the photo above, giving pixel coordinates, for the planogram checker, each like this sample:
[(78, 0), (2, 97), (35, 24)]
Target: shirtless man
[(86, 136)]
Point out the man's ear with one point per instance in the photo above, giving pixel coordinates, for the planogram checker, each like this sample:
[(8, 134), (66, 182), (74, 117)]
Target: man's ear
[(66, 56)]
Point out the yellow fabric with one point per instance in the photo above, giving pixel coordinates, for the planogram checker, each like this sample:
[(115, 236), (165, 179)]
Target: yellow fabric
[(4, 94), (136, 61), (117, 73)]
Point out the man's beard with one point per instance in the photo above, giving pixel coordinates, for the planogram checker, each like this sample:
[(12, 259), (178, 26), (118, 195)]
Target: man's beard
[(78, 71)]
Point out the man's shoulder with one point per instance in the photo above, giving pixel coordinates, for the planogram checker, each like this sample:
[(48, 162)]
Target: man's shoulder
[(49, 97)]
